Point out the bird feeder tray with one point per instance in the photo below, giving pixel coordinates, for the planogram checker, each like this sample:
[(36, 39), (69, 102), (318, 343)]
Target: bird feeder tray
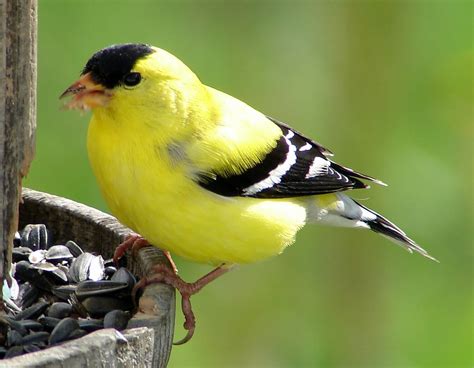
[(147, 341)]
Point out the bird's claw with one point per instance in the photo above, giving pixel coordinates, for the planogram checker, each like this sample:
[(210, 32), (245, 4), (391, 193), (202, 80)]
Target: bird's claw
[(189, 320), (186, 338), (164, 274), (134, 242)]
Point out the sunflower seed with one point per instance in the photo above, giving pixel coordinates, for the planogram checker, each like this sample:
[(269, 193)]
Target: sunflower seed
[(63, 330)]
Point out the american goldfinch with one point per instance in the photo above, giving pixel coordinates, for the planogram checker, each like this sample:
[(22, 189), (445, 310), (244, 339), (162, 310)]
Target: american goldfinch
[(203, 175)]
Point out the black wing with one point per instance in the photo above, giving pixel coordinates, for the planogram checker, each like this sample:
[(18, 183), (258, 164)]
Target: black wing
[(297, 166)]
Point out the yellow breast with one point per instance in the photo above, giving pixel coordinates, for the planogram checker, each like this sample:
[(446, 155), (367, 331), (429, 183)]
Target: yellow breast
[(156, 198)]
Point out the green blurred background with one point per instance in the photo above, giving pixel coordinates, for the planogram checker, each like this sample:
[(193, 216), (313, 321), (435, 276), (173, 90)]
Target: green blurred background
[(387, 85)]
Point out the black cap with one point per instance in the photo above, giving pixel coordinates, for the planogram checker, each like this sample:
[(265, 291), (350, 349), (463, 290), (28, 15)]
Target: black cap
[(108, 66)]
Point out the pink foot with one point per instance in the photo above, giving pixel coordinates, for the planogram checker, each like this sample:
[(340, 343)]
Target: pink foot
[(164, 274), (134, 242)]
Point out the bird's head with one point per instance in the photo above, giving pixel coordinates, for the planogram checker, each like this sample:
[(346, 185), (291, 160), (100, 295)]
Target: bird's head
[(126, 76)]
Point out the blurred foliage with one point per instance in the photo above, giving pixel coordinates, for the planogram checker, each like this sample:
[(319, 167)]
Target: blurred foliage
[(388, 86)]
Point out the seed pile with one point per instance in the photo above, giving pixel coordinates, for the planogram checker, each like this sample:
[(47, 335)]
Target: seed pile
[(59, 293)]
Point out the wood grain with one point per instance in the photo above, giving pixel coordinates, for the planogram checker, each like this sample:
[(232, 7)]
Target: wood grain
[(18, 23)]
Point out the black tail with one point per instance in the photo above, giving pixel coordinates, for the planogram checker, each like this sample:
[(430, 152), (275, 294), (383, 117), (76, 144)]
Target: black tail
[(386, 228)]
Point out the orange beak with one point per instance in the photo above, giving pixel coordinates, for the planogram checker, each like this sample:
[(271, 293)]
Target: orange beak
[(86, 94)]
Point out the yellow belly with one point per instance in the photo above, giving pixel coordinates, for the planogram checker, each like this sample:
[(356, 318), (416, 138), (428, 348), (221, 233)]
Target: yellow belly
[(155, 199)]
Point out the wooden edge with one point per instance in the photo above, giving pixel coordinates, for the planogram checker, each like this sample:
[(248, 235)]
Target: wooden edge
[(103, 348), (18, 24), (99, 232)]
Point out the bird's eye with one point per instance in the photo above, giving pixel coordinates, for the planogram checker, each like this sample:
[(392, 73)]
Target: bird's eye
[(132, 79)]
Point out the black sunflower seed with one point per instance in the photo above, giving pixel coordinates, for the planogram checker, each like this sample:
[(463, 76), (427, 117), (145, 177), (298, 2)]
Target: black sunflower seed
[(32, 312), (13, 352), (60, 310), (63, 330), (35, 338), (117, 319)]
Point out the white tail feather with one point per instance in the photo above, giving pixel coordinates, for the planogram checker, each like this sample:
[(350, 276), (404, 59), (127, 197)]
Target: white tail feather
[(340, 210)]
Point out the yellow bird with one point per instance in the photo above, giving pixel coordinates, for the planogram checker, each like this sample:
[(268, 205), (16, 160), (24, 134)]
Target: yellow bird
[(203, 175)]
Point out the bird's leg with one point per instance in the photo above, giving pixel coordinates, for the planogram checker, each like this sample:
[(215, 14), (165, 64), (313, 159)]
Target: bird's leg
[(136, 242), (170, 260), (163, 274)]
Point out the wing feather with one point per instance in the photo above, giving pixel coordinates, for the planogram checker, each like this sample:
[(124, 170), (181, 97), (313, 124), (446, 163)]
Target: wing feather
[(295, 166)]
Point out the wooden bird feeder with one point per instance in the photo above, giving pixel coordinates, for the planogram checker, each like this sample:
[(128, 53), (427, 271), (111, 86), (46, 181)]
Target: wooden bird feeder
[(147, 341)]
